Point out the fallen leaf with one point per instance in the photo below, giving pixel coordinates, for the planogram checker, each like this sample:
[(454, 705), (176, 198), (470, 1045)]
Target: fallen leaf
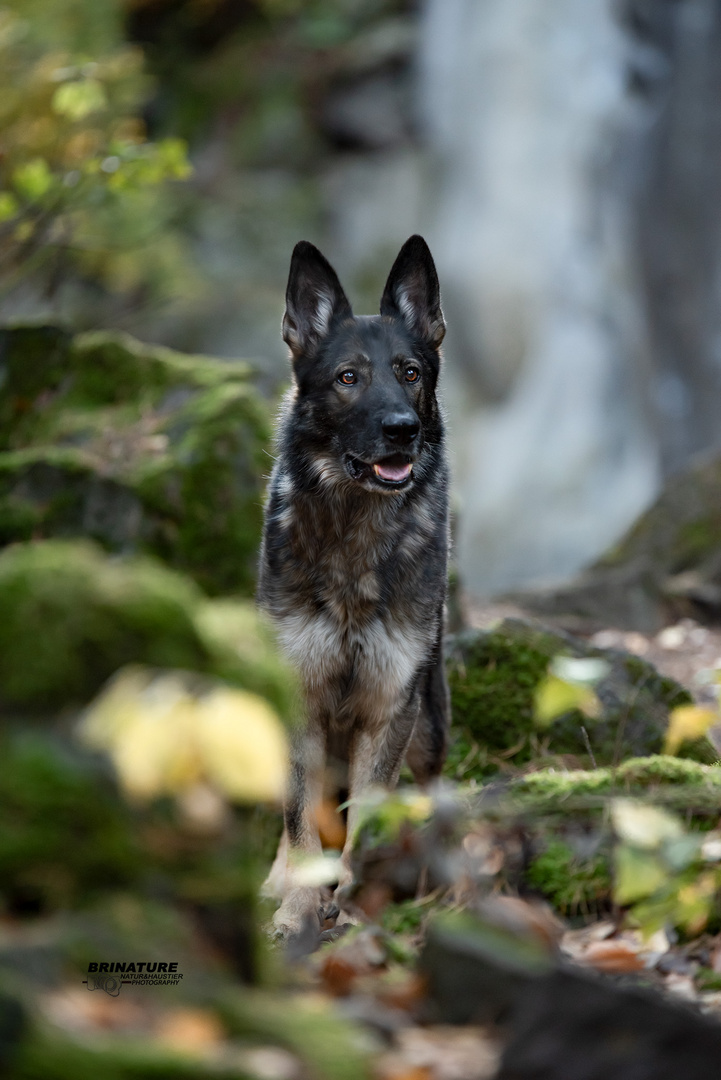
[(338, 974), (644, 826), (555, 696), (686, 723), (615, 957), (165, 737), (189, 1029)]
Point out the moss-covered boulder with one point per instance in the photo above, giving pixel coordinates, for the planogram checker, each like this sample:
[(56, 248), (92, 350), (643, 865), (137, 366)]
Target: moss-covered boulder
[(72, 615), (667, 566), (494, 675), (139, 447)]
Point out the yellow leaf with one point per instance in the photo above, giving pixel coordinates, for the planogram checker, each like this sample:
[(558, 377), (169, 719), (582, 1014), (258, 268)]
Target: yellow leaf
[(555, 696), (242, 745), (694, 902), (167, 732), (688, 722)]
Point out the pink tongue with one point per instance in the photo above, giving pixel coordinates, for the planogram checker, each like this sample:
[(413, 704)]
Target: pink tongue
[(392, 472)]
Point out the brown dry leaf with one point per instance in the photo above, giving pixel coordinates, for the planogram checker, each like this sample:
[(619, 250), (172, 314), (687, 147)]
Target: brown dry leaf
[(196, 1030), (340, 966), (401, 989), (484, 853), (392, 1066), (373, 898), (614, 957), (338, 975), (574, 943), (716, 957)]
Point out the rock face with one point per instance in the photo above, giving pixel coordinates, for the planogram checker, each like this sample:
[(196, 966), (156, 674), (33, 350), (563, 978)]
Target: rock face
[(537, 142), (140, 448), (493, 677), (668, 565), (577, 242)]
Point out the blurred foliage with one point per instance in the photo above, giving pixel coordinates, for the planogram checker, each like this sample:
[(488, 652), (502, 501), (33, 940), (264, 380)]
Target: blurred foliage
[(72, 617), (64, 834), (137, 446), (266, 60), (165, 739), (667, 875), (82, 188)]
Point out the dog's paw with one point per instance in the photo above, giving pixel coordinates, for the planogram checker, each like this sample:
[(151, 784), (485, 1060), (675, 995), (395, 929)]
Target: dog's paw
[(300, 909)]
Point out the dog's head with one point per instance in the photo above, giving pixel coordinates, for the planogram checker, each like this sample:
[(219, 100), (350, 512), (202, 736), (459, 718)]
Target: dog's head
[(365, 402)]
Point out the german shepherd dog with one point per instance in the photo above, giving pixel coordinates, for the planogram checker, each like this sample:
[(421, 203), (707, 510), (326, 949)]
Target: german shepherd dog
[(355, 548)]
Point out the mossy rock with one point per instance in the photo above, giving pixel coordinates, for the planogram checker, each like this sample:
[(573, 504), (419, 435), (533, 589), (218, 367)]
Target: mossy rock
[(564, 816), (667, 566), (64, 832), (69, 842), (139, 447), (573, 879), (494, 674), (72, 616)]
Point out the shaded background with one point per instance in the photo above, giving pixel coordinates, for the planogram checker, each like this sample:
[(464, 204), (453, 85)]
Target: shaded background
[(562, 161)]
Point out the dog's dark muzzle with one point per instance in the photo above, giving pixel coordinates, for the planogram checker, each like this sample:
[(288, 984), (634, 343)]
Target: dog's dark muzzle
[(394, 471)]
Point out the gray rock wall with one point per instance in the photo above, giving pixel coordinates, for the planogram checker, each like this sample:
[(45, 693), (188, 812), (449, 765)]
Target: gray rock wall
[(538, 150)]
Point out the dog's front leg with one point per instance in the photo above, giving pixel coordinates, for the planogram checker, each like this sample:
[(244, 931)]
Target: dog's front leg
[(375, 761), (300, 834)]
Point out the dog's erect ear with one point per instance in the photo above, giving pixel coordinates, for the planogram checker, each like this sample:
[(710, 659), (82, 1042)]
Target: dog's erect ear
[(413, 294), (314, 299)]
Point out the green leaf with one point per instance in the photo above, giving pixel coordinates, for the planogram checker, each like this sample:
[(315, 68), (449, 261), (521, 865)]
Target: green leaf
[(76, 100), (9, 205), (33, 179), (638, 874)]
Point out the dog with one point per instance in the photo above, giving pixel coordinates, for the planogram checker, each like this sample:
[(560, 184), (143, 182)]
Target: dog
[(353, 563)]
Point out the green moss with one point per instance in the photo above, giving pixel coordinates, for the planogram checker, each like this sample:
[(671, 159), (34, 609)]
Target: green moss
[(493, 678), (405, 917), (72, 616), (667, 781), (64, 833), (664, 769), (571, 882), (139, 447), (696, 540)]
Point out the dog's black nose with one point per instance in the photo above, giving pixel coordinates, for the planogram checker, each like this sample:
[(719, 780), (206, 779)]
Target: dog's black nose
[(400, 427)]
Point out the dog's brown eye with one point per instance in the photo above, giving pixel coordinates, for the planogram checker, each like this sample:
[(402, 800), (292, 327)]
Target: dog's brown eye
[(412, 374), (347, 378)]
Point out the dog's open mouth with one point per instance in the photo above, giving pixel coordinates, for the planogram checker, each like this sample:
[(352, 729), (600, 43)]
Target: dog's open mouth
[(392, 472)]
